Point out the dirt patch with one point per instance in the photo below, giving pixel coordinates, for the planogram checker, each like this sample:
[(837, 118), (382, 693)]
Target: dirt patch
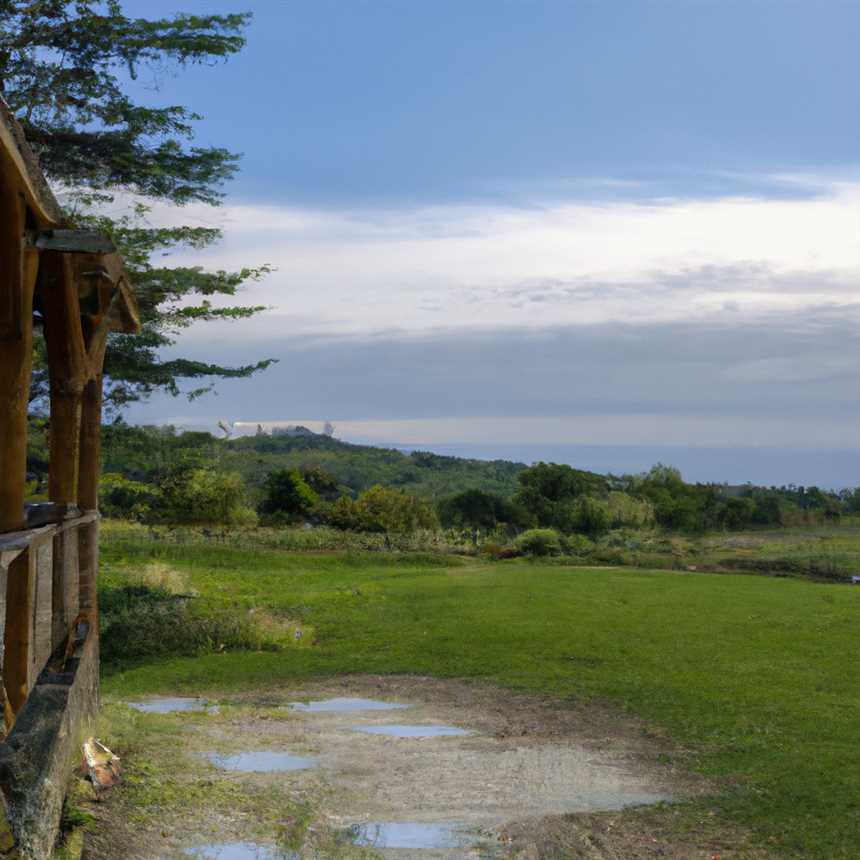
[(534, 778)]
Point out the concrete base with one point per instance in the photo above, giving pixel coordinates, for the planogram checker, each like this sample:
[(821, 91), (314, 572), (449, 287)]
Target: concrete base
[(45, 744)]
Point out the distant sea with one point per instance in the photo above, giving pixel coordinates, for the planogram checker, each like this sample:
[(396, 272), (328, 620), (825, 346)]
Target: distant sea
[(835, 469)]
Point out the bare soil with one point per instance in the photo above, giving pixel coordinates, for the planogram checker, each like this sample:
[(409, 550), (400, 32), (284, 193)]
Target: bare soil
[(536, 778)]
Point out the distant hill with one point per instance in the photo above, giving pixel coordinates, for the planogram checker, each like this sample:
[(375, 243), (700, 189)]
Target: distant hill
[(361, 466), (140, 452)]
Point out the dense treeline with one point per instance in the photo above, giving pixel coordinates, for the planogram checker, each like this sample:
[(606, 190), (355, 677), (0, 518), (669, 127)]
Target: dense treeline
[(156, 474)]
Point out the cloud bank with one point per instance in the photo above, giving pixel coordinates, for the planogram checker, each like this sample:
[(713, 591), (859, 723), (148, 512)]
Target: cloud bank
[(731, 320)]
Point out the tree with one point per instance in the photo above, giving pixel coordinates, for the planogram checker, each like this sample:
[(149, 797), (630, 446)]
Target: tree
[(287, 495), (547, 491), (478, 509), (383, 509), (64, 67)]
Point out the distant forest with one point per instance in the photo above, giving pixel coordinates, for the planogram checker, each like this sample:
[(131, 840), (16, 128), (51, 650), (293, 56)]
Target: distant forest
[(161, 474)]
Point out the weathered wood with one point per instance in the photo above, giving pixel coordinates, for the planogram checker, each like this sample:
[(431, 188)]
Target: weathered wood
[(88, 565), (18, 268), (68, 370), (18, 634), (18, 163), (42, 606), (74, 242), (90, 459)]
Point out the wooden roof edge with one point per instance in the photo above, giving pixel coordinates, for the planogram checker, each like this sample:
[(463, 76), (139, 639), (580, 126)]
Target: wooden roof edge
[(124, 314), (127, 317), (18, 153)]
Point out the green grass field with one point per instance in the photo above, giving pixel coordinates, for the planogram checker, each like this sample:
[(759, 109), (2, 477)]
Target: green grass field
[(759, 676)]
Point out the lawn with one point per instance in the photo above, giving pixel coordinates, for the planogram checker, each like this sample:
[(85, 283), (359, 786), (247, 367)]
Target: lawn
[(758, 675)]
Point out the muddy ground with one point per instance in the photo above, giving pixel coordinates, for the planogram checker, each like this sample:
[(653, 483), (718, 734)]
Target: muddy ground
[(532, 778)]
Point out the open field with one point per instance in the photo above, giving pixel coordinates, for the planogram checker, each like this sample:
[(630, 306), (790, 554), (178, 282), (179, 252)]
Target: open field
[(752, 680)]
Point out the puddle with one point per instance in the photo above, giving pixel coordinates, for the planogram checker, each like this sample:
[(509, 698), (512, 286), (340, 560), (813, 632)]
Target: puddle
[(237, 851), (410, 834), (404, 731), (174, 705), (263, 761), (344, 706)]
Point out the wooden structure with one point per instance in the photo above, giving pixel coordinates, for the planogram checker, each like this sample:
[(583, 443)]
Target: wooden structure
[(71, 284)]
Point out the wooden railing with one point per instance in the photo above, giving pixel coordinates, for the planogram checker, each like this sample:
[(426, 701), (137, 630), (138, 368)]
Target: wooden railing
[(47, 590)]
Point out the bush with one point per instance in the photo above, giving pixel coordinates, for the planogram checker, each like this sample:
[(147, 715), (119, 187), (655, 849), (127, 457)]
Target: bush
[(382, 509), (203, 495), (625, 511), (477, 509), (576, 545), (287, 495), (539, 542), (124, 499), (590, 517), (141, 622)]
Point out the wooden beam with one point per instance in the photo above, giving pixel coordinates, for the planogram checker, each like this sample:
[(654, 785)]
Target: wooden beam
[(90, 459), (18, 269), (18, 634), (74, 242), (68, 372)]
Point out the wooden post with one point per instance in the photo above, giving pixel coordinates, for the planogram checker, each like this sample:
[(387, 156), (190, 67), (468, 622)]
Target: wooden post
[(91, 444), (18, 267), (67, 367), (19, 630), (88, 491)]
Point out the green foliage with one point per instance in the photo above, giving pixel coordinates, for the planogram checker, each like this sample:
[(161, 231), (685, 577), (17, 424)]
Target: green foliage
[(751, 676), (590, 517), (63, 71), (383, 509), (547, 492), (323, 483), (126, 499), (139, 622), (192, 494), (329, 466), (287, 495), (60, 65), (627, 512), (478, 509), (539, 542)]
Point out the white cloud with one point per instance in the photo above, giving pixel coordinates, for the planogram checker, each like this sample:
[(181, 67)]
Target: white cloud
[(432, 268)]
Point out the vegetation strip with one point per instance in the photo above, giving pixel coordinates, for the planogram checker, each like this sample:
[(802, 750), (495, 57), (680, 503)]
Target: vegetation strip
[(753, 674)]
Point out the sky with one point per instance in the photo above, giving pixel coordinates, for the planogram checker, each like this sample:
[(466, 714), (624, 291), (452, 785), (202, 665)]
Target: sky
[(608, 234)]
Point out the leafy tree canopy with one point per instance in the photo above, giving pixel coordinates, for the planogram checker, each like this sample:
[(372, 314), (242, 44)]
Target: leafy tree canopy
[(65, 66)]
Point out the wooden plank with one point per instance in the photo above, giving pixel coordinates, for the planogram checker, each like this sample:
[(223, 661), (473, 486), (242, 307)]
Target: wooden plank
[(68, 369), (75, 242), (18, 635), (18, 268), (42, 606)]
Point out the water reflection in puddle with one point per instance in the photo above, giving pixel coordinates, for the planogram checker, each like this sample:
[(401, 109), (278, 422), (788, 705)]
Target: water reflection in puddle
[(237, 851), (341, 706), (404, 731), (409, 834), (174, 705), (263, 761)]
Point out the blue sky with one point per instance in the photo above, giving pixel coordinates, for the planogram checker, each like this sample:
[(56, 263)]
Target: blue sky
[(554, 224)]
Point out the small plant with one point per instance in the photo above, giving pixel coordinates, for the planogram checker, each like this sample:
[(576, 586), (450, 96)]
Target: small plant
[(539, 542)]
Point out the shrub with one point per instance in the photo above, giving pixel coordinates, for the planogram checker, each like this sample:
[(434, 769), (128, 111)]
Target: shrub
[(287, 495), (590, 517), (142, 622), (625, 511), (478, 509), (124, 499), (539, 542), (203, 495), (576, 545), (383, 509)]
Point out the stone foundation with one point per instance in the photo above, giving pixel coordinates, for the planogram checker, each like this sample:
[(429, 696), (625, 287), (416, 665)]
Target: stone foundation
[(43, 747)]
